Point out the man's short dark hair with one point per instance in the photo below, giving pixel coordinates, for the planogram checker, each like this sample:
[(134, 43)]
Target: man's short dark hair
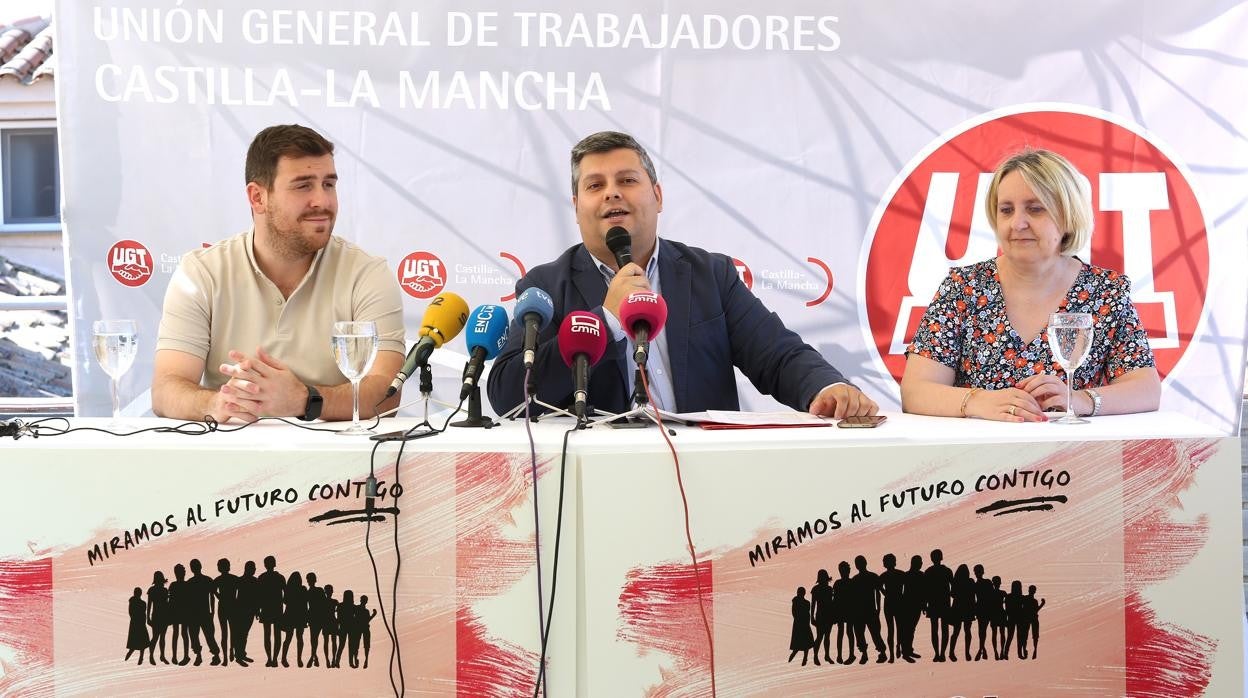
[(605, 142), (274, 142)]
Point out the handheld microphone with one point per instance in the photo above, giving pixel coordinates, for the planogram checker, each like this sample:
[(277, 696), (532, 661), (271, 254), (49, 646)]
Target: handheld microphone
[(582, 341), (487, 332), (621, 245), (535, 309), (643, 314), (443, 319)]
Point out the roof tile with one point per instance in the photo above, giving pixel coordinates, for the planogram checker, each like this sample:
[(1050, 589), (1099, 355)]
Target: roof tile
[(26, 50)]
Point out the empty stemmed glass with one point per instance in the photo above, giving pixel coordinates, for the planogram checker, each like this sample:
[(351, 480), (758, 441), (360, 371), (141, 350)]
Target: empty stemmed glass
[(355, 347), (116, 344), (1070, 338)]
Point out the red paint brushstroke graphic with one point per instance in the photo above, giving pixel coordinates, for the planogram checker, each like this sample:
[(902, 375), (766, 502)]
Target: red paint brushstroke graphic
[(26, 627), (660, 611), (485, 667), (489, 487), (1162, 660), (1154, 474)]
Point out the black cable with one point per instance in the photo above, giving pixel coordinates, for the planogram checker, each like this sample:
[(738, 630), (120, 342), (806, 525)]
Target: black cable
[(381, 601), (554, 573), (43, 427), (209, 425), (396, 655), (537, 522)]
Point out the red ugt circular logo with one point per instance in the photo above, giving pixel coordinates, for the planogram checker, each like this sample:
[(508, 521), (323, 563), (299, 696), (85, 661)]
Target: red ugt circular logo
[(743, 271), (1147, 224), (422, 275), (130, 263)]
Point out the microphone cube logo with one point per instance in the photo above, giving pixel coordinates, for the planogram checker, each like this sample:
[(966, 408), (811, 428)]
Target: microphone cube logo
[(743, 271), (585, 324), (130, 263), (1147, 223), (643, 297), (422, 275)]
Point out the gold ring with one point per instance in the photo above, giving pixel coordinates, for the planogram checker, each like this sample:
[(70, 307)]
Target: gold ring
[(1012, 408)]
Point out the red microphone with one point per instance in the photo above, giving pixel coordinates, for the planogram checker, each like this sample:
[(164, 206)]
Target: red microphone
[(643, 314), (582, 341)]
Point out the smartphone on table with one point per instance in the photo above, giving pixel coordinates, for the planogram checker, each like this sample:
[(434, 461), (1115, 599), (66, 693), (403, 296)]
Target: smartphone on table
[(861, 422)]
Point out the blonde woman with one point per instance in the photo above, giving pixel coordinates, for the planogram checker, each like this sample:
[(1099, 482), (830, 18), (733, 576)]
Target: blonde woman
[(982, 348)]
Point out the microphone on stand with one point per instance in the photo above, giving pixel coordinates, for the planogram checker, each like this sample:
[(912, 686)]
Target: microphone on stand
[(534, 309), (643, 314), (582, 342), (444, 318), (621, 245), (487, 332)]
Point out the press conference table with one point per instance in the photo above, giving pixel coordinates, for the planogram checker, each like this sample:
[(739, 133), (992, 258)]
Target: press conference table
[(1127, 525)]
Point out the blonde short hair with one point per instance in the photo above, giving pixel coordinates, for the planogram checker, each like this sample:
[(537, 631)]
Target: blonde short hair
[(1059, 186)]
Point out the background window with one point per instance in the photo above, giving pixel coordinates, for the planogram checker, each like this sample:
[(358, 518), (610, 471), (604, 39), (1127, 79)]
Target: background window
[(32, 192)]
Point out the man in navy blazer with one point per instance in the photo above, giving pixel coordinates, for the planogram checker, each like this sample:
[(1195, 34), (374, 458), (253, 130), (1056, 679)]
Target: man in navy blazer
[(714, 322)]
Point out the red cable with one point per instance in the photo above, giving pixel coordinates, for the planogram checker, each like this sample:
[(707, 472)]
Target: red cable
[(697, 575)]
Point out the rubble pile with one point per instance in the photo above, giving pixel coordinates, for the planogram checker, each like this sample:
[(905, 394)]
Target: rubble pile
[(34, 344)]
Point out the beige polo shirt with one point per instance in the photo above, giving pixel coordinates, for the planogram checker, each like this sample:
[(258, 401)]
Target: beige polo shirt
[(219, 300)]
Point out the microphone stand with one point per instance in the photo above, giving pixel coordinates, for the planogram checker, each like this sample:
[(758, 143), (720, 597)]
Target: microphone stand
[(425, 428), (426, 393), (640, 416), (531, 398), (518, 410), (475, 418)]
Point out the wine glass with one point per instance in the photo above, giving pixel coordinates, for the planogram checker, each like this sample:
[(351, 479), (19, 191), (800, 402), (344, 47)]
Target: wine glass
[(1070, 338), (355, 347), (116, 344)]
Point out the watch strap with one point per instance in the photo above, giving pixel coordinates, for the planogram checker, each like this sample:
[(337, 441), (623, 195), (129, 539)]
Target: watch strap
[(1096, 401), (312, 408)]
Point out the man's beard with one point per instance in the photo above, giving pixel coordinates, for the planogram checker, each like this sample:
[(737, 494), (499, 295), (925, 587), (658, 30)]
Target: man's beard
[(290, 241)]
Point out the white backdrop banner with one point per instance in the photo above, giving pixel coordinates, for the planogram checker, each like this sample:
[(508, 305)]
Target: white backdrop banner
[(836, 150)]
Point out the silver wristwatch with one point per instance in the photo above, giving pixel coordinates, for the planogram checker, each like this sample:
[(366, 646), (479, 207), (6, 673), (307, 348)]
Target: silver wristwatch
[(1096, 401)]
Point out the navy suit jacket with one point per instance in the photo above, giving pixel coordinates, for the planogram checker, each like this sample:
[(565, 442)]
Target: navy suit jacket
[(713, 323)]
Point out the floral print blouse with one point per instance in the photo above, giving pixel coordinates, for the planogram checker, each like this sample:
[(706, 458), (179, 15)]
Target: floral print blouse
[(966, 329)]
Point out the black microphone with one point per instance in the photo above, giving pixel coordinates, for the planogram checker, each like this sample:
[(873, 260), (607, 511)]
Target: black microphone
[(621, 245)]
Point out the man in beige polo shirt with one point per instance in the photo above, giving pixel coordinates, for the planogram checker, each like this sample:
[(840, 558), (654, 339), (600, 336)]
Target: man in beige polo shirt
[(246, 326)]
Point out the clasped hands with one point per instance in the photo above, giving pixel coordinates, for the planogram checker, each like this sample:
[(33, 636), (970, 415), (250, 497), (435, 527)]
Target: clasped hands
[(1027, 401), (259, 386)]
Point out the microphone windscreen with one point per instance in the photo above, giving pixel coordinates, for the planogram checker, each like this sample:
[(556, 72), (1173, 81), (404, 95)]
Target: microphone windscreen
[(582, 333), (487, 328), (444, 318), (646, 306), (621, 245), (535, 300)]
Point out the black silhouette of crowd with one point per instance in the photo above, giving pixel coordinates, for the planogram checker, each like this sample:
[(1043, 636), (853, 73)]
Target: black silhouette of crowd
[(284, 606), (952, 601)]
